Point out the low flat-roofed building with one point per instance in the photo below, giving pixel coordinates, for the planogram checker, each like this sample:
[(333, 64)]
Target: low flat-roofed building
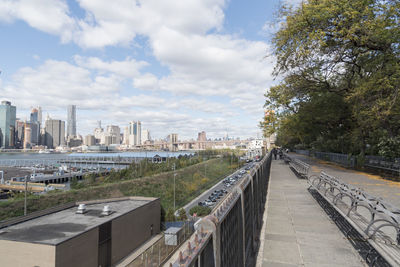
[(64, 237)]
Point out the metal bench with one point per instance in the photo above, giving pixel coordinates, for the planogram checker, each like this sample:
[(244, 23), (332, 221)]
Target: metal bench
[(286, 158), (300, 168), (376, 221)]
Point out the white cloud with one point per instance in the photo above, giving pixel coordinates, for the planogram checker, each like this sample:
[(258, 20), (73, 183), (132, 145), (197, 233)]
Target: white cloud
[(184, 36), (46, 15)]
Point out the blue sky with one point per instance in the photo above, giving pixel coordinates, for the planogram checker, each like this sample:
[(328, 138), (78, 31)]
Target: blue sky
[(178, 66)]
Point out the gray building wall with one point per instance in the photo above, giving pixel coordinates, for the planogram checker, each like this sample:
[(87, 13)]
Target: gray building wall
[(133, 229), (7, 124), (54, 133), (80, 251)]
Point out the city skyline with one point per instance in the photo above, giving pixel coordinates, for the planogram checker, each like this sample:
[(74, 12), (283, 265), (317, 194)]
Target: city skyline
[(205, 69)]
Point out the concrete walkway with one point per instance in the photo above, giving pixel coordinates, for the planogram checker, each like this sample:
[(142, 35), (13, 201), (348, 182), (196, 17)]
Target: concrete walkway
[(296, 230)]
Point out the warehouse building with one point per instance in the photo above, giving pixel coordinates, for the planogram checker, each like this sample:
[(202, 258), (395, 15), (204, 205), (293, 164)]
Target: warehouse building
[(93, 233)]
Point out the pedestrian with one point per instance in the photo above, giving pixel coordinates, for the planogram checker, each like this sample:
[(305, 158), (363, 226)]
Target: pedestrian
[(280, 153), (274, 152)]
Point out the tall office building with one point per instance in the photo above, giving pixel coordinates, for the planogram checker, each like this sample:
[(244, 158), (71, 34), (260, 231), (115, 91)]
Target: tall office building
[(34, 125), (39, 114), (71, 121), (28, 136), (135, 133), (126, 136), (54, 133), (145, 136), (19, 133), (7, 124), (98, 132)]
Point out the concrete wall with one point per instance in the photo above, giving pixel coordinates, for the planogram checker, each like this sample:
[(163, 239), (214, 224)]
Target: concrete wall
[(20, 254), (133, 229), (79, 251)]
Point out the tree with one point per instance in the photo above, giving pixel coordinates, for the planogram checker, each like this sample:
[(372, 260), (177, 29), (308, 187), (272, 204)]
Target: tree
[(340, 63), (182, 215), (170, 216)]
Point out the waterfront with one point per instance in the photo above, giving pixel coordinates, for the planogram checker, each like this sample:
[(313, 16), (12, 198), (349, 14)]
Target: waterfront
[(136, 154)]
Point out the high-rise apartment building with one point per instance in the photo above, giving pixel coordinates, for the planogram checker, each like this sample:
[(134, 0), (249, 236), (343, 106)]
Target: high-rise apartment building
[(71, 121), (54, 133), (7, 124)]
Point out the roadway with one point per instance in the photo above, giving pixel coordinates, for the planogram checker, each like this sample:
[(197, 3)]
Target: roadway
[(218, 186)]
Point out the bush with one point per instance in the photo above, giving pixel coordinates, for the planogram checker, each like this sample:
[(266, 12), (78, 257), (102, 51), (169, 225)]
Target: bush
[(170, 216), (182, 215), (200, 211)]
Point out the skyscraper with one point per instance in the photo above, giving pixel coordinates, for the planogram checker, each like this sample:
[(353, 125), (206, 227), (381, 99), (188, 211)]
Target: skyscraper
[(145, 136), (7, 124), (34, 125), (54, 133), (135, 133), (28, 136), (71, 121)]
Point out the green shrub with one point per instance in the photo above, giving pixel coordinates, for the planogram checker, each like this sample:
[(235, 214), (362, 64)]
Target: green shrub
[(200, 211)]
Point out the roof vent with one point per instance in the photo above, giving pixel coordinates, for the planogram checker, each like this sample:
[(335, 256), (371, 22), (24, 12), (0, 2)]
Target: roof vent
[(106, 210), (81, 209)]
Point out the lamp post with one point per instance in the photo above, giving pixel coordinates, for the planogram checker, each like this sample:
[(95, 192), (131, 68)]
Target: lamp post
[(174, 185)]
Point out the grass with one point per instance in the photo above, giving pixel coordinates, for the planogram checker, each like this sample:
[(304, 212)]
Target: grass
[(191, 181)]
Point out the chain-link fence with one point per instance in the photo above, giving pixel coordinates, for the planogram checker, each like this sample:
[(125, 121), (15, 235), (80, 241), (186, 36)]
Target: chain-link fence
[(163, 248)]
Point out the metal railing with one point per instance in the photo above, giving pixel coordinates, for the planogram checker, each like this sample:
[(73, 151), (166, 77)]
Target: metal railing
[(343, 159), (156, 254), (374, 162)]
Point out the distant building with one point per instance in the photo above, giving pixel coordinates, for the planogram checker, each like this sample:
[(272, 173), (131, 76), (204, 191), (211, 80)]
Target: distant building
[(27, 136), (125, 139), (98, 132), (112, 135), (202, 136), (74, 141), (34, 124), (7, 124), (145, 136), (71, 121), (54, 133), (135, 133), (255, 148), (173, 138), (89, 140), (95, 233), (19, 133)]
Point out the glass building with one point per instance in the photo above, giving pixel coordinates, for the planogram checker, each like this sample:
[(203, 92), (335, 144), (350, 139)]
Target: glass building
[(7, 124)]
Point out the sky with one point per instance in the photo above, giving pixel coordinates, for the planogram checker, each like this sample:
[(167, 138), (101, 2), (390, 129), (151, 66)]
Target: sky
[(178, 66)]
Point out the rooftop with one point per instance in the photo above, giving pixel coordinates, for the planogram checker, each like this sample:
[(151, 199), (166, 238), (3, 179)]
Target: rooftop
[(59, 226)]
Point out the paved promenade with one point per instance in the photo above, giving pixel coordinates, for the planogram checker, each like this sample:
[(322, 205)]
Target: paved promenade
[(296, 230)]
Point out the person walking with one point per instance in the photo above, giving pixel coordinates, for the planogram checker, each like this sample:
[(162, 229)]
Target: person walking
[(275, 153)]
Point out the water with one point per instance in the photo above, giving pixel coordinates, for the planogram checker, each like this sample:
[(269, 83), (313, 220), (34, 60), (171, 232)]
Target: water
[(55, 156)]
